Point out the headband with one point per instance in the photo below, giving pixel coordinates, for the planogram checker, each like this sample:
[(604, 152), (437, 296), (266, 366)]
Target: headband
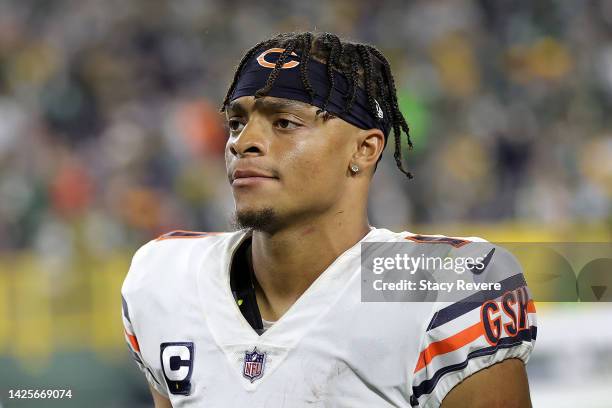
[(289, 85)]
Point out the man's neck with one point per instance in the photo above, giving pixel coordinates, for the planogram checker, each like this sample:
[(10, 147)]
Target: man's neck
[(287, 262)]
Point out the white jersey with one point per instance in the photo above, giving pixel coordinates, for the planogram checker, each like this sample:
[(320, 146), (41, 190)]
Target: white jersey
[(329, 349)]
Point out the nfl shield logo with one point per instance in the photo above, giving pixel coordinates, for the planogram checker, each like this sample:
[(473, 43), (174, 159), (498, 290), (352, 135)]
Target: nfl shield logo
[(253, 364)]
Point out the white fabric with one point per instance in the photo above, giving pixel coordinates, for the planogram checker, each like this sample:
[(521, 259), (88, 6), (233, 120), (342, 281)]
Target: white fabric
[(329, 349)]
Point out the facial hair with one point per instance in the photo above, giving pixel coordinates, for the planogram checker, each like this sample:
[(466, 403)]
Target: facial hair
[(257, 220)]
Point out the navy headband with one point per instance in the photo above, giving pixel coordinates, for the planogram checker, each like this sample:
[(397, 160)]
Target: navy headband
[(289, 85)]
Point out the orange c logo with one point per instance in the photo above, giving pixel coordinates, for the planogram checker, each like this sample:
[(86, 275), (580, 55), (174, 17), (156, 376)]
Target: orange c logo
[(262, 59)]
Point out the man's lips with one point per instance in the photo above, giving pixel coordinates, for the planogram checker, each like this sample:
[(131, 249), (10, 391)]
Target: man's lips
[(250, 176)]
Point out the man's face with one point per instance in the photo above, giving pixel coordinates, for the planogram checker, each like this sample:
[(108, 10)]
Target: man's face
[(284, 162)]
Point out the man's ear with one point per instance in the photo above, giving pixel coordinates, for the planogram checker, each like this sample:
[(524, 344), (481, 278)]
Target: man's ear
[(370, 145)]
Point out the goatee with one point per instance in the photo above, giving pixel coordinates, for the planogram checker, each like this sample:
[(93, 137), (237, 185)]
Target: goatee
[(256, 220)]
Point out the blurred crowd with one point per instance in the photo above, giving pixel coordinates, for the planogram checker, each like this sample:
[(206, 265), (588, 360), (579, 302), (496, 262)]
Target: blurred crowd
[(110, 132)]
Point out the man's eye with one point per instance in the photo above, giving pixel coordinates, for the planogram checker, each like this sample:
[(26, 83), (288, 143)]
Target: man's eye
[(235, 125), (286, 124)]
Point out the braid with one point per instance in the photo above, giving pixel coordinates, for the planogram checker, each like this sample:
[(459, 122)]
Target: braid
[(398, 118), (393, 94), (366, 59), (354, 82), (335, 54), (306, 40), (277, 67)]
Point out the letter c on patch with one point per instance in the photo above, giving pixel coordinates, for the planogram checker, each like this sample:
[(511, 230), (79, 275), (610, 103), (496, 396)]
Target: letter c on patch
[(177, 365)]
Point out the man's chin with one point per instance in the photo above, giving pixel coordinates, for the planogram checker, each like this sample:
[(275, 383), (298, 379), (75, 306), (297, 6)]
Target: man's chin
[(264, 219)]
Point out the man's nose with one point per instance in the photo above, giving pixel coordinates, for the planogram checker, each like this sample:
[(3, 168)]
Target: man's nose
[(250, 142)]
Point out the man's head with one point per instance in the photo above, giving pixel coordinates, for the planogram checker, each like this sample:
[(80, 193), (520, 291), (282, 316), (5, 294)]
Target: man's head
[(309, 117)]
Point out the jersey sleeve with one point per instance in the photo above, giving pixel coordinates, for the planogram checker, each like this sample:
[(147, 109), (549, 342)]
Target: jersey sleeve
[(466, 336), (131, 339), (134, 348)]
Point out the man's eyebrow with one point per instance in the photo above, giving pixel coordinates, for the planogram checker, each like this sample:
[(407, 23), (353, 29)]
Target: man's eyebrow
[(236, 108)]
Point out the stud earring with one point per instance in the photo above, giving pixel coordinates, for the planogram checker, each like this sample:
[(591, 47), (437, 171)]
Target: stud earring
[(354, 168)]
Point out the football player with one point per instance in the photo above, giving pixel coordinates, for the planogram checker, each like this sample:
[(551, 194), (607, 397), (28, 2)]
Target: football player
[(271, 315)]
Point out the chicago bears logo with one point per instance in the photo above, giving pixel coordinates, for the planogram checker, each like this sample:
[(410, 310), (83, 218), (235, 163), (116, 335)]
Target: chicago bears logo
[(253, 364), (266, 64), (177, 365)]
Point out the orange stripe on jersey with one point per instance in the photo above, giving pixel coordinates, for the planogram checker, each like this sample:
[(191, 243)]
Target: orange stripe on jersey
[(449, 344), (185, 234), (133, 340), (531, 307), (456, 341), (430, 239)]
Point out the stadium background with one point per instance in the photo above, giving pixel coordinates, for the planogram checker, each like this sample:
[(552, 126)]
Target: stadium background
[(110, 135)]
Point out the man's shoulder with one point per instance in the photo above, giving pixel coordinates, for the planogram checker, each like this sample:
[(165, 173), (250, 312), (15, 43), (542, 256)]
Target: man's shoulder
[(174, 254), (386, 235), (176, 246), (499, 262)]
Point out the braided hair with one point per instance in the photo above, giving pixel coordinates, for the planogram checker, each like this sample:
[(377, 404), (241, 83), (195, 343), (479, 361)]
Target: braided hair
[(363, 65)]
